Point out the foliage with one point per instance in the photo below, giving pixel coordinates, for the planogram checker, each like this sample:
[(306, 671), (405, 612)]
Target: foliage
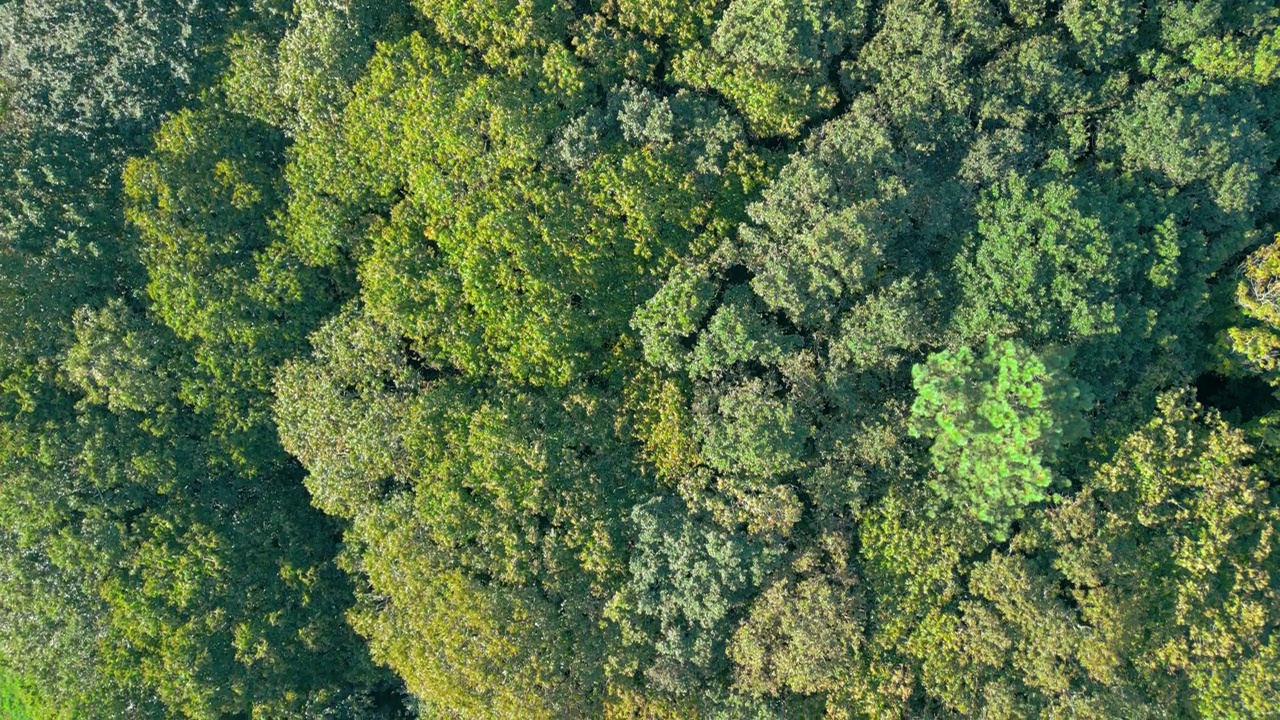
[(687, 581), (1257, 343), (640, 358), (482, 521), (17, 701), (161, 557), (996, 422), (1170, 549)]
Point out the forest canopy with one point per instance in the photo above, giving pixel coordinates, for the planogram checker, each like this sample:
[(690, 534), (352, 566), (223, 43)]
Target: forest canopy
[(640, 358)]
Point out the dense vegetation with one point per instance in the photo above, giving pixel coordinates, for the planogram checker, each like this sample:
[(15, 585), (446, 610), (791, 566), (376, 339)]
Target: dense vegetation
[(640, 358)]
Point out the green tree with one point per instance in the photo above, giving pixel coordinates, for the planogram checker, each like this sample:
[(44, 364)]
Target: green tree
[(774, 59), (1170, 553), (1258, 343), (996, 423), (804, 635), (689, 582), (500, 506)]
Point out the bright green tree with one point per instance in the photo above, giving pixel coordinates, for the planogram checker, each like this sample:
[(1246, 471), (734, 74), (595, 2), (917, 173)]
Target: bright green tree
[(996, 423)]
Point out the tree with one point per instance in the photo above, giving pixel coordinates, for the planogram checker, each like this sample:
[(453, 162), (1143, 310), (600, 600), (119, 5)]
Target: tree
[(490, 265), (804, 635), (1169, 551), (218, 273), (774, 59), (485, 524), (689, 581), (996, 423), (1258, 343), (81, 68)]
